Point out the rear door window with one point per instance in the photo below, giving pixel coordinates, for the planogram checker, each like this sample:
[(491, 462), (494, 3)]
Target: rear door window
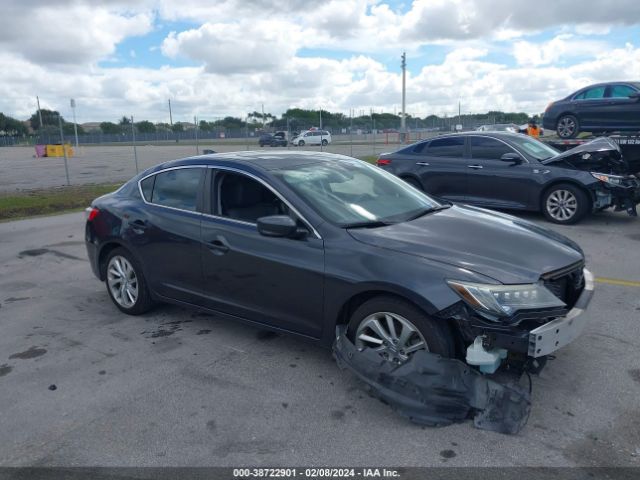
[(488, 148), (620, 91), (178, 188), (446, 147)]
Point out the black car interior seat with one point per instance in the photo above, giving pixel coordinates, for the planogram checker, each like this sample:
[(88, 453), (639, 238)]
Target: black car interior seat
[(242, 198)]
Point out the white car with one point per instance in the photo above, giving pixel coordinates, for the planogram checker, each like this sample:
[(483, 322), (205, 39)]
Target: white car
[(312, 137)]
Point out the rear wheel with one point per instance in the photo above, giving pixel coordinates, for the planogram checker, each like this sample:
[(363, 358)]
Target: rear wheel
[(565, 204), (325, 143), (567, 126), (301, 143), (126, 284), (396, 329)]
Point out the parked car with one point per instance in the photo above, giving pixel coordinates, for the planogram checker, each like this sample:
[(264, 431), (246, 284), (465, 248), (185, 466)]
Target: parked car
[(513, 171), (273, 140), (312, 137), (599, 108), (499, 127), (304, 242)]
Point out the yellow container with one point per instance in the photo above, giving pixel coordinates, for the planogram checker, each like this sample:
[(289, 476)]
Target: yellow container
[(56, 150)]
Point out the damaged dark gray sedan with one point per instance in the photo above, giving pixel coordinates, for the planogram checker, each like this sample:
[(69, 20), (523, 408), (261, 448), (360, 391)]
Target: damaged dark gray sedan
[(307, 242)]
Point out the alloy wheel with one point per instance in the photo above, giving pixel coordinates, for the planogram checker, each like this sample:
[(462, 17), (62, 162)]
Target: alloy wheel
[(122, 281), (562, 205), (394, 337), (566, 127)]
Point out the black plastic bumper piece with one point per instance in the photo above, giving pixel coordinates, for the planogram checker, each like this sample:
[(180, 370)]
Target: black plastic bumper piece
[(431, 390)]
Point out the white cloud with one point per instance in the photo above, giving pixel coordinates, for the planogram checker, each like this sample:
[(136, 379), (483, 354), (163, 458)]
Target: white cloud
[(69, 33), (558, 49), (228, 48)]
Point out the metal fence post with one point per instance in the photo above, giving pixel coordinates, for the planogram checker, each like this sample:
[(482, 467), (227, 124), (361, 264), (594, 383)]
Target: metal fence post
[(133, 136), (195, 121), (64, 151)]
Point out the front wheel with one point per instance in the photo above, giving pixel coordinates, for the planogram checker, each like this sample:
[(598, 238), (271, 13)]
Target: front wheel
[(301, 143), (325, 143), (567, 126), (565, 204), (126, 284), (396, 329)]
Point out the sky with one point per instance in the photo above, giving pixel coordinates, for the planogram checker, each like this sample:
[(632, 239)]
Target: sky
[(217, 58)]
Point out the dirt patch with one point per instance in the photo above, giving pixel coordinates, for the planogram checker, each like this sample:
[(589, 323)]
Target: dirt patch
[(33, 352), (36, 252), (5, 369)]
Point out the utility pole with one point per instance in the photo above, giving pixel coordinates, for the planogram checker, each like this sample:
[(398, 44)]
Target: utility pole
[(75, 124), (170, 116), (64, 150), (459, 117), (39, 112), (133, 138), (403, 122), (263, 116), (320, 118)]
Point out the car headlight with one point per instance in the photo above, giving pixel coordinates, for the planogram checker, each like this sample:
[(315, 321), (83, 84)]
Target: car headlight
[(504, 300), (610, 179)]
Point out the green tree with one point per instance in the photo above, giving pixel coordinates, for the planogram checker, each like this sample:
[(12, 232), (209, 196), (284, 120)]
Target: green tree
[(145, 126), (11, 126), (177, 127), (110, 128), (49, 119), (125, 121), (67, 129)]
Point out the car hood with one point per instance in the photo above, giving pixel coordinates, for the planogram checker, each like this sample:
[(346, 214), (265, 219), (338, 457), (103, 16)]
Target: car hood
[(600, 155), (499, 246)]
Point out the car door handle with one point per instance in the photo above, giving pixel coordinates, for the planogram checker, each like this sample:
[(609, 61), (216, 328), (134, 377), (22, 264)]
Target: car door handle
[(424, 164), (476, 167), (139, 226), (218, 247)]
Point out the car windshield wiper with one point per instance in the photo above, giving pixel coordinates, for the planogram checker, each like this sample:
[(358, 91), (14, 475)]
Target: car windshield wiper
[(367, 224), (421, 213)]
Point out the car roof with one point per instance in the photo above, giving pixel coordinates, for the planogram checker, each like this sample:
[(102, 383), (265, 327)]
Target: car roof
[(257, 159)]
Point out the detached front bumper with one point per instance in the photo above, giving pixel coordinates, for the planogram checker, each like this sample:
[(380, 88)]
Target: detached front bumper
[(563, 330)]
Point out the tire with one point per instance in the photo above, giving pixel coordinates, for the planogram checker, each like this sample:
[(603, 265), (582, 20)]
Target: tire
[(567, 126), (565, 204), (413, 182), (301, 143), (436, 335), (325, 143), (142, 298)]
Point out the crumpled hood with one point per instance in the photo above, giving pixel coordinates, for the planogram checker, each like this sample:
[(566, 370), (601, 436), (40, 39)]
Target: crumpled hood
[(600, 155), (499, 246)]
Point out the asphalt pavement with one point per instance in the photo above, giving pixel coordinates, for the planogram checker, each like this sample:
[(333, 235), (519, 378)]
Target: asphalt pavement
[(83, 384)]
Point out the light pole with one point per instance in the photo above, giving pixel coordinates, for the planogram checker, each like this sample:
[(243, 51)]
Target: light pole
[(75, 124)]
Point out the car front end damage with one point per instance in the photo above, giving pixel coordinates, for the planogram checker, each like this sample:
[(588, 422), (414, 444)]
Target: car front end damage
[(483, 384), (616, 184), (523, 340)]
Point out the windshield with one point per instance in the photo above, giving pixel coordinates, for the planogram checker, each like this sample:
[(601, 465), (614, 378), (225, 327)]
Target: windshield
[(535, 148), (352, 193)]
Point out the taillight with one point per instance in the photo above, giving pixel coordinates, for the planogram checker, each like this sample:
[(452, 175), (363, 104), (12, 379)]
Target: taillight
[(91, 213), (383, 161)]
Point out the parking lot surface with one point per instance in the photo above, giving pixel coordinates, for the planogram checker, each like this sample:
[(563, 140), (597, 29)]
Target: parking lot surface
[(83, 384), (21, 170)]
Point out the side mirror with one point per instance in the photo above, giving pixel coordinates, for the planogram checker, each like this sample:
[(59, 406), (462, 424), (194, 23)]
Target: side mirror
[(635, 95), (277, 226), (512, 158)]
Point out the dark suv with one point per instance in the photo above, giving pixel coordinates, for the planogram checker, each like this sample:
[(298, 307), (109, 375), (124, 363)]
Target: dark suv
[(604, 107), (514, 171)]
